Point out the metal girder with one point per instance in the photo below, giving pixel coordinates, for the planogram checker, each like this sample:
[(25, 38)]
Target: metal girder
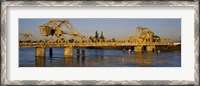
[(27, 37), (145, 36), (63, 30)]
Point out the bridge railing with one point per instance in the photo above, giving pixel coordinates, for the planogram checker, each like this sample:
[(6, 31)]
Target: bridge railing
[(88, 44)]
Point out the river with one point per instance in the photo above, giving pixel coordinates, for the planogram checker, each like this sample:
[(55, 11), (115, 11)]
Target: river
[(100, 58)]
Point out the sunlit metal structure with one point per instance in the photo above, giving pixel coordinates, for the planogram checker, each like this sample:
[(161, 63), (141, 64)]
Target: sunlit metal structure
[(61, 31), (62, 34), (146, 36), (27, 37)]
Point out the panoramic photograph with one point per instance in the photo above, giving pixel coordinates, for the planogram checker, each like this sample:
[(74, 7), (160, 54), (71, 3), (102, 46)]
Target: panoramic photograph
[(99, 42)]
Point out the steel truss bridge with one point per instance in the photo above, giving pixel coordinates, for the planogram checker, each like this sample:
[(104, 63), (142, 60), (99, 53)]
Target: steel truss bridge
[(62, 34), (84, 45)]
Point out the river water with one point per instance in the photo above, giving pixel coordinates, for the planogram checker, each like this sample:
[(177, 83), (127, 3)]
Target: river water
[(100, 58)]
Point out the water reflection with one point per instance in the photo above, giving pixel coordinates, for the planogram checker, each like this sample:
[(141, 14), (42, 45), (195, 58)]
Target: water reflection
[(40, 61), (99, 53), (68, 60), (130, 57), (78, 59), (83, 59), (143, 59), (101, 58)]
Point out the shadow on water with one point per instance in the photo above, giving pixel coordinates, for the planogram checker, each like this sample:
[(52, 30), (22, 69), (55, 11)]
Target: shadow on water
[(40, 61)]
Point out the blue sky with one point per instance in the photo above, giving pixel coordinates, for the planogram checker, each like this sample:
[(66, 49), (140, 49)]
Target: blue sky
[(112, 27)]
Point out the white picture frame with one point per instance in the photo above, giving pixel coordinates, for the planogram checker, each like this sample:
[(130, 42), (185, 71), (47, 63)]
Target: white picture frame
[(4, 45)]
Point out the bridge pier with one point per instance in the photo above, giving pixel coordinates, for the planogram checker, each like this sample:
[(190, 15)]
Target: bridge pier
[(151, 48), (138, 48), (68, 51), (40, 52), (83, 53), (50, 52)]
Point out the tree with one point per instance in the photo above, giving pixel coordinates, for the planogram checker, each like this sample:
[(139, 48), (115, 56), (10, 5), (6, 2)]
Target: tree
[(96, 35), (113, 40), (102, 37)]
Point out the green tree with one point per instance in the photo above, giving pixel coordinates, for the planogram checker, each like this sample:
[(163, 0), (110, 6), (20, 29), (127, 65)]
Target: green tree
[(102, 37), (113, 40), (96, 35)]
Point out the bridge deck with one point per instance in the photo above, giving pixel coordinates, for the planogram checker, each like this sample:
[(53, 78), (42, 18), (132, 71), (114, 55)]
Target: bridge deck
[(112, 44)]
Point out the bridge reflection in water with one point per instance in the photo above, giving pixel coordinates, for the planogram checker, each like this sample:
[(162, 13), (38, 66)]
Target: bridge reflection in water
[(144, 59), (40, 62), (59, 61), (111, 58)]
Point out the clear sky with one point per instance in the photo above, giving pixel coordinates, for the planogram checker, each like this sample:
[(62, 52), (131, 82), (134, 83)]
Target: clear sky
[(112, 27)]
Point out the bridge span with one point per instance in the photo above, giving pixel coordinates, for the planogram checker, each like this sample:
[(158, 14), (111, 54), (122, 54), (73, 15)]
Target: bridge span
[(56, 37), (68, 47)]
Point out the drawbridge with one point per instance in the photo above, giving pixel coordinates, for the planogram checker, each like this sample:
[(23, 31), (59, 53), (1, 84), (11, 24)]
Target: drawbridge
[(62, 34)]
